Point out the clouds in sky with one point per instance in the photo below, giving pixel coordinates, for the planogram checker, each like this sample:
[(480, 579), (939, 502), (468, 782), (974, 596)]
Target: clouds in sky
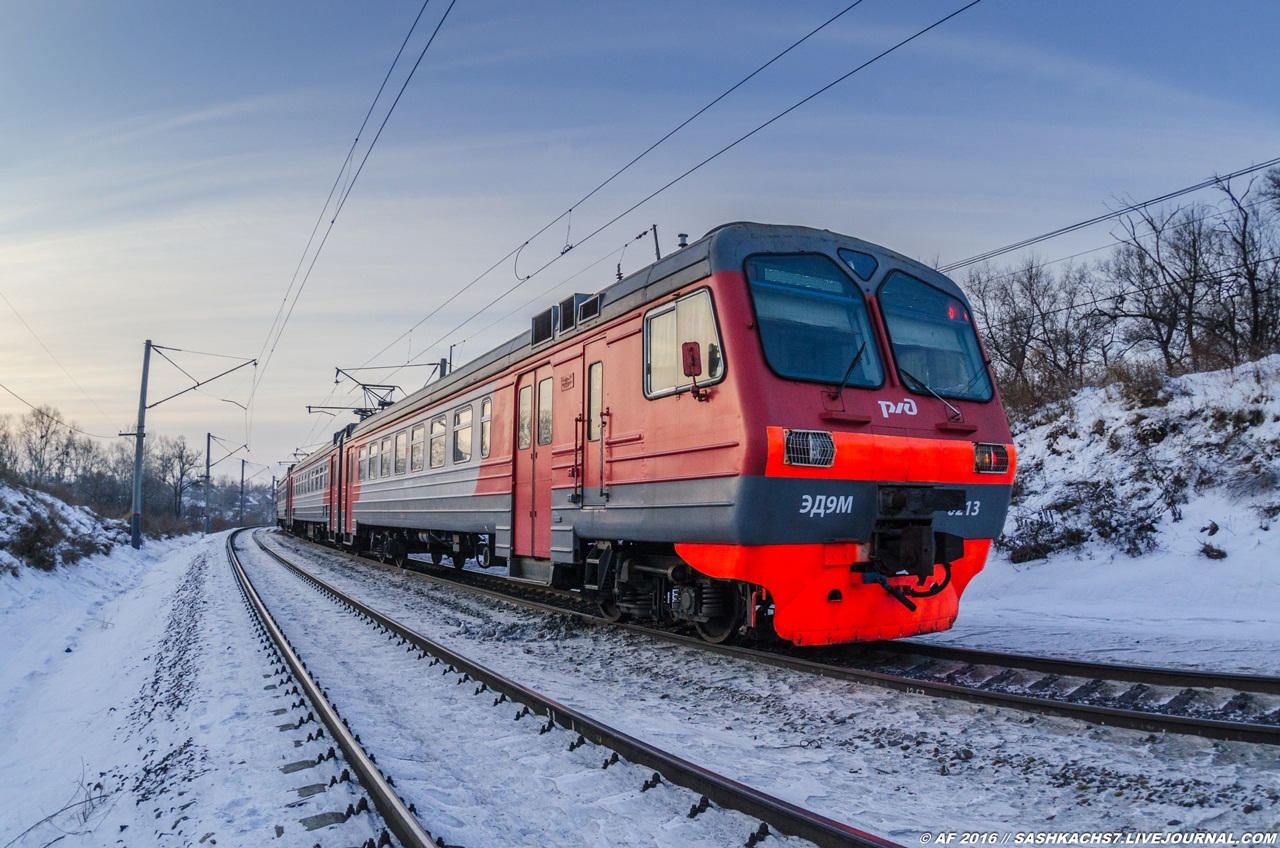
[(162, 165)]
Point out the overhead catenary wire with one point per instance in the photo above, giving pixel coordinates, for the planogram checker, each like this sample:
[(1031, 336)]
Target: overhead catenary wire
[(1132, 207), (56, 422), (55, 359), (1217, 213), (1121, 295), (278, 326), (569, 212), (521, 281)]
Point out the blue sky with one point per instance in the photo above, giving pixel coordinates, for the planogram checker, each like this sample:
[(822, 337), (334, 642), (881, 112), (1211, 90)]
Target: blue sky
[(162, 164)]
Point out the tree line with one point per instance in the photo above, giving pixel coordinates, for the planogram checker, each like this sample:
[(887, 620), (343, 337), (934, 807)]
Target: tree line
[(1188, 288), (41, 449)]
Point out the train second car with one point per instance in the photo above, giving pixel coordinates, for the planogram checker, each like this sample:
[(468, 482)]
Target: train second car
[(773, 430)]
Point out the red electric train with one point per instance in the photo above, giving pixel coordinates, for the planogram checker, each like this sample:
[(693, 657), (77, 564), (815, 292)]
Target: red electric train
[(773, 429)]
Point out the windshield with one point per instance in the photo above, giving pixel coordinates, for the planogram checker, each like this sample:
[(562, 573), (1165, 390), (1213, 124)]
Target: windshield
[(933, 340), (813, 320)]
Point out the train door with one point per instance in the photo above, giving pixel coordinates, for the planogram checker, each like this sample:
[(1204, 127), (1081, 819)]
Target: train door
[(332, 487), (531, 524), (594, 427)]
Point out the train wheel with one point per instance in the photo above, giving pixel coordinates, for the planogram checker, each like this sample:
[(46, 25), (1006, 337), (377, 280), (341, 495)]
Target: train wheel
[(399, 552), (728, 616), (437, 557), (611, 612)]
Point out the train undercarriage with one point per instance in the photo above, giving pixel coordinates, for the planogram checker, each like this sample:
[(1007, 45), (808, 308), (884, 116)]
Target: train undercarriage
[(627, 581)]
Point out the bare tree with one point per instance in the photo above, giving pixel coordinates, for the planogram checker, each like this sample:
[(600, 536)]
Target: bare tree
[(176, 464), (8, 448), (43, 444), (1044, 333), (1271, 189), (1250, 274), (1164, 275)]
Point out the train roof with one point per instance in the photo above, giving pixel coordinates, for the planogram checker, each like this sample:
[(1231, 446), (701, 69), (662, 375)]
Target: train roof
[(724, 248)]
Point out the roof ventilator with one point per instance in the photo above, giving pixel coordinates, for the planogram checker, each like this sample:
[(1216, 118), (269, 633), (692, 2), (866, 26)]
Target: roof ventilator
[(544, 326)]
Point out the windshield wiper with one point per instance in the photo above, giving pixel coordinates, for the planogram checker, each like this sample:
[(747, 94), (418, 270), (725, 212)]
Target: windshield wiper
[(954, 415), (849, 373)]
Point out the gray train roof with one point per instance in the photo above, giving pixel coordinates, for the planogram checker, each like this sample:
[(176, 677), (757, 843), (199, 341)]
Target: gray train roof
[(724, 248)]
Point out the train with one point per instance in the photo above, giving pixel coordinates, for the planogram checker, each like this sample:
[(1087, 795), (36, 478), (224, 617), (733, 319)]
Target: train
[(771, 432)]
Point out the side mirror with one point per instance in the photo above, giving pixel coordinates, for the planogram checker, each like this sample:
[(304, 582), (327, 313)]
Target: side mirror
[(691, 354)]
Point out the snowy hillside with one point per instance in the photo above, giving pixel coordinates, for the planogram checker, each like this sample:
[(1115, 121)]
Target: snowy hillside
[(1143, 528), (40, 531), (1124, 464)]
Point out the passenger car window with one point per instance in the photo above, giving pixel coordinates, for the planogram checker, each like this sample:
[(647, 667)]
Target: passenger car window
[(402, 452), (437, 442), (462, 435), (526, 418), (933, 340), (595, 400), (486, 414), (417, 447), (544, 412), (666, 329), (813, 321), (385, 454)]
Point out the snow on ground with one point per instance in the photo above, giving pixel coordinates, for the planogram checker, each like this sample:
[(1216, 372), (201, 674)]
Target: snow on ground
[(476, 774), (891, 763), (133, 695), (138, 709), (41, 531)]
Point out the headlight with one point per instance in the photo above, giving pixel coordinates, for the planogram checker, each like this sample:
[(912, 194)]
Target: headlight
[(809, 447), (990, 459)]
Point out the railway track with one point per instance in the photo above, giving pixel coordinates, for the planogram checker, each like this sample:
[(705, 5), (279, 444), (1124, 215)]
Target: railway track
[(399, 820), (1217, 706), (709, 789)]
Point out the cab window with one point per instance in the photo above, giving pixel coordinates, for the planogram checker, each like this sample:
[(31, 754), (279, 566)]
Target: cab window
[(933, 340), (813, 321)]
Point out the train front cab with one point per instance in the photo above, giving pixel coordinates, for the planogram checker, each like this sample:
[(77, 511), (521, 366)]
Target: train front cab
[(886, 464)]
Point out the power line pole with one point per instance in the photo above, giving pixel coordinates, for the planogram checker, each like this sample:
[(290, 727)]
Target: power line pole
[(242, 493), (135, 521), (208, 445)]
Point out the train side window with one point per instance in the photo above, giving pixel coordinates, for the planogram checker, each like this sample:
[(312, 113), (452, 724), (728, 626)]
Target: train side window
[(462, 435), (486, 427), (373, 461), (595, 399), (437, 442), (385, 454), (526, 418), (402, 452), (667, 328), (544, 412), (417, 447)]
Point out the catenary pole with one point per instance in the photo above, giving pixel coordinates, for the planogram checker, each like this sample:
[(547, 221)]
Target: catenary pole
[(208, 446), (242, 493), (135, 520)]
